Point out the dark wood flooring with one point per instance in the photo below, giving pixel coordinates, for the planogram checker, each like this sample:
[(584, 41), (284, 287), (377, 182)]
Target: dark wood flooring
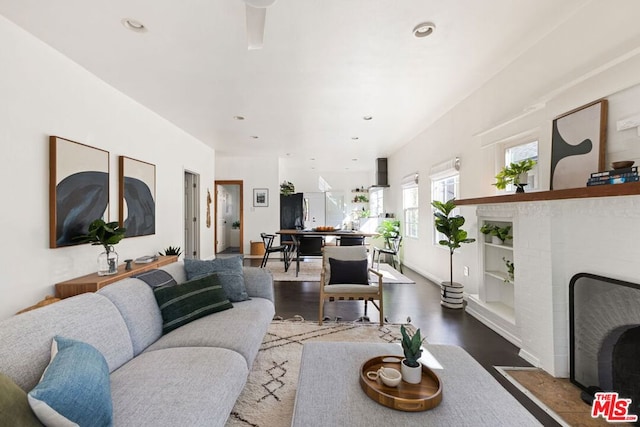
[(420, 302)]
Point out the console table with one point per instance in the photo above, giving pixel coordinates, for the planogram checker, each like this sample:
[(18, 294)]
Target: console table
[(93, 282)]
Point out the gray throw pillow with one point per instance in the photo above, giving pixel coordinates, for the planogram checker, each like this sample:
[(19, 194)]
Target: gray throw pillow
[(155, 278), (230, 274)]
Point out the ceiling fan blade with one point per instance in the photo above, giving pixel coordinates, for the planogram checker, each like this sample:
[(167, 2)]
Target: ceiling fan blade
[(255, 27)]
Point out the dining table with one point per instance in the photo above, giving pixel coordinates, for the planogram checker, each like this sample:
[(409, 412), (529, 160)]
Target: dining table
[(296, 235)]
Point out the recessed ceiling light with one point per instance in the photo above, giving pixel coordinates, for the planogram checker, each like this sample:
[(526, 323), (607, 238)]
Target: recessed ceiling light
[(254, 137), (367, 117), (355, 138), (238, 118), (313, 158), (133, 25), (354, 160), (423, 30)]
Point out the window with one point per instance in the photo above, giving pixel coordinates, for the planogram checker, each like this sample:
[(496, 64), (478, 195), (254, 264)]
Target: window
[(443, 188), (376, 202), (410, 208), (516, 153)]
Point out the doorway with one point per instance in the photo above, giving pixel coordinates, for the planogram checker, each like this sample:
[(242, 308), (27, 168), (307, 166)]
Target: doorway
[(191, 215), (229, 217)]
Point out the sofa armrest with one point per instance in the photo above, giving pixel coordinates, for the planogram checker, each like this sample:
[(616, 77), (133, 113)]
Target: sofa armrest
[(259, 282)]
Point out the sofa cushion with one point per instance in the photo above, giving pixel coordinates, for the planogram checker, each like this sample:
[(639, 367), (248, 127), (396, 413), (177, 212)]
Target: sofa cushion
[(75, 387), (259, 282), (139, 309), (229, 269), (348, 272), (155, 278), (91, 318), (181, 304), (14, 407), (178, 387), (241, 330)]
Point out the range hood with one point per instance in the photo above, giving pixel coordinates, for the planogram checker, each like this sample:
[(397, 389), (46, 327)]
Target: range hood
[(381, 173)]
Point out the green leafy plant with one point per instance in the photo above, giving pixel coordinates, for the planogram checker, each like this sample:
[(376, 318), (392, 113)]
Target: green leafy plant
[(360, 198), (450, 225), (510, 270), (389, 229), (364, 213), (171, 251), (502, 233), (411, 346), (510, 174), (287, 188), (103, 233), (236, 224)]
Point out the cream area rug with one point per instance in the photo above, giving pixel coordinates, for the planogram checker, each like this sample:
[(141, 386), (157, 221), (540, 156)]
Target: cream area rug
[(310, 272), (268, 397)]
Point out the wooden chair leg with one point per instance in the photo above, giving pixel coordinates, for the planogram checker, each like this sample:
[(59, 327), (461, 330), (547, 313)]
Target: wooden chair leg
[(321, 311)]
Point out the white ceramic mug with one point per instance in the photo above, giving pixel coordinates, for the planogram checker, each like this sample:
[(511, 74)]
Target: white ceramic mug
[(389, 376)]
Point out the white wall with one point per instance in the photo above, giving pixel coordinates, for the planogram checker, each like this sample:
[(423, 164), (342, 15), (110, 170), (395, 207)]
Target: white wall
[(255, 172), (43, 93), (570, 67)]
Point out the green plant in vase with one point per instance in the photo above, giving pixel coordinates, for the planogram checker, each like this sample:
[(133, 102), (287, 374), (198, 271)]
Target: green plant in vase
[(510, 270), (287, 188), (106, 234), (502, 234), (515, 173)]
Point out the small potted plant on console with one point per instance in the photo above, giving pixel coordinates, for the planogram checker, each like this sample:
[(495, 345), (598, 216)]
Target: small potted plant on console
[(412, 348)]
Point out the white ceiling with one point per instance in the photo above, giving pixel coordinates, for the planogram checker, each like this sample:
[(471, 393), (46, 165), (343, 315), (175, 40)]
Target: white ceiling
[(325, 64)]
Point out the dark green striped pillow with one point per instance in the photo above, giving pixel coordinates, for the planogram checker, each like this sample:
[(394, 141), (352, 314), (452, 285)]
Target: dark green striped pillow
[(181, 304)]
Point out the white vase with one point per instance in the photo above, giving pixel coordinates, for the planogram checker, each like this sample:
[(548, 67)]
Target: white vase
[(108, 262), (410, 374), (496, 240)]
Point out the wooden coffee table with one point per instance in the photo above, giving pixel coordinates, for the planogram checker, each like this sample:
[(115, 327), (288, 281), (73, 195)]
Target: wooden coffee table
[(329, 394)]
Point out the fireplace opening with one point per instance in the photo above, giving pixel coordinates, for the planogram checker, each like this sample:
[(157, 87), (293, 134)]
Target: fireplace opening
[(604, 329)]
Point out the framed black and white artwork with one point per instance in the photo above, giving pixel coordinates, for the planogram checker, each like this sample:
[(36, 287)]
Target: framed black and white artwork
[(137, 186), (260, 197)]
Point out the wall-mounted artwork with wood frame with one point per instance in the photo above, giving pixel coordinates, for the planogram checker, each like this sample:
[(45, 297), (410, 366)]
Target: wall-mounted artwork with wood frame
[(137, 186), (78, 189), (578, 145)]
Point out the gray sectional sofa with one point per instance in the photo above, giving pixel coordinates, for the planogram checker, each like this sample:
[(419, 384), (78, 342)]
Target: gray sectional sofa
[(191, 376)]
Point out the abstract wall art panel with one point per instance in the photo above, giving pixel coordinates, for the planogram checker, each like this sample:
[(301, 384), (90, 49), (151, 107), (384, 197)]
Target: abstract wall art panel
[(578, 145), (137, 197), (78, 189)]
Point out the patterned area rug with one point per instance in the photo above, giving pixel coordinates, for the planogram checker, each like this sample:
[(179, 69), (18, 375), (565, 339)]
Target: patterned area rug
[(267, 399), (310, 272)]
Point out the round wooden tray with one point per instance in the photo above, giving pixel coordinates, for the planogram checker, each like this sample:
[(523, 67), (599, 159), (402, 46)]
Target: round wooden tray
[(406, 397)]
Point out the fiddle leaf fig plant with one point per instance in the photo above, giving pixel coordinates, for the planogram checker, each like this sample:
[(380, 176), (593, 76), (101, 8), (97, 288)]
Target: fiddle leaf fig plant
[(411, 347), (502, 233)]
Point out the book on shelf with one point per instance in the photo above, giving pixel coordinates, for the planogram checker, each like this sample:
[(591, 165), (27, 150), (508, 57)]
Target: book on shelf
[(613, 180), (146, 259), (615, 172)]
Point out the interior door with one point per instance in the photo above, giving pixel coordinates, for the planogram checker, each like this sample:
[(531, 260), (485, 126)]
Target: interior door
[(191, 215), (315, 214), (221, 222)]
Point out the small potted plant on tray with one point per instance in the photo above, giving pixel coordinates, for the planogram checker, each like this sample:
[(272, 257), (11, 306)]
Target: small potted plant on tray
[(412, 348)]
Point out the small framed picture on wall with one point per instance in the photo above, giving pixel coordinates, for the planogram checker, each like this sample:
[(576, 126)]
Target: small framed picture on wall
[(261, 197)]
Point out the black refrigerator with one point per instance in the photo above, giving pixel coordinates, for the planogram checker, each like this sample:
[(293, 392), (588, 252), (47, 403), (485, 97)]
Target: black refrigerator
[(291, 213)]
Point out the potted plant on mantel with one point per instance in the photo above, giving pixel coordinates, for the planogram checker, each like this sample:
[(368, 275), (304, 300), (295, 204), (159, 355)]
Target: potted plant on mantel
[(450, 225), (106, 234), (515, 173), (412, 349)]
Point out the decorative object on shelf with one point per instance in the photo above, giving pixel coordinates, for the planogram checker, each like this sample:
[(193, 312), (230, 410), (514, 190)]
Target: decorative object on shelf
[(287, 188), (364, 213), (622, 164), (389, 229), (137, 184), (171, 251), (510, 270), (208, 209), (516, 174), (77, 173), (261, 196), (388, 376), (498, 234), (615, 176), (360, 198), (578, 145), (450, 225), (412, 349), (128, 266), (106, 234)]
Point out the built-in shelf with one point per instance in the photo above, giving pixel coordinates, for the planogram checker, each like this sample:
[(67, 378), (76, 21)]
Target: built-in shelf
[(498, 275), (493, 245), (627, 189)]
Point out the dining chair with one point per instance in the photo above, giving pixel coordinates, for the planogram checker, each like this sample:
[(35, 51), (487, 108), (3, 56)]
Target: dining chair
[(345, 276), (393, 250), (267, 240), (351, 241)]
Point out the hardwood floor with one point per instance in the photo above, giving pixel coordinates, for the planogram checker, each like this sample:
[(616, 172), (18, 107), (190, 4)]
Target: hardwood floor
[(420, 302)]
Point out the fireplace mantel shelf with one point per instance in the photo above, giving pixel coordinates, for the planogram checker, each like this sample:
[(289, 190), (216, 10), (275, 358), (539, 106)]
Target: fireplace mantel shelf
[(629, 189)]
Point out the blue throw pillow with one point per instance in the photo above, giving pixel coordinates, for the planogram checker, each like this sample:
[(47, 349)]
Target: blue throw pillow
[(348, 272), (74, 388), (181, 304), (229, 272)]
